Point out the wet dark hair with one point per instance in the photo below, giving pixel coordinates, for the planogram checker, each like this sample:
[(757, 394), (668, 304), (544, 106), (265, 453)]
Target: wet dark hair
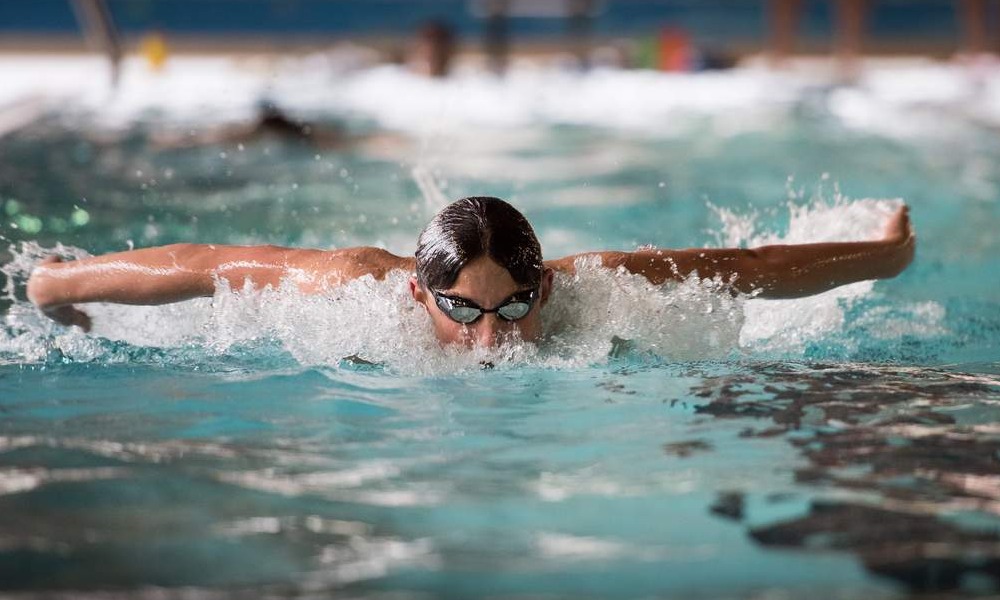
[(472, 227)]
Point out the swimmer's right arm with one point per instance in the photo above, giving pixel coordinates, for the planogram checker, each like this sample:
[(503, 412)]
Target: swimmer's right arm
[(179, 272)]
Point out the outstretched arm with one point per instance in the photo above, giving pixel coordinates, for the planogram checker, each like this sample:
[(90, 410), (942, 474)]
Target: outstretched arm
[(785, 271), (181, 271)]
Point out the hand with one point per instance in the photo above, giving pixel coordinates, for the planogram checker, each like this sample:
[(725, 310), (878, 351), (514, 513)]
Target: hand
[(899, 229), (900, 234), (69, 315), (65, 314)]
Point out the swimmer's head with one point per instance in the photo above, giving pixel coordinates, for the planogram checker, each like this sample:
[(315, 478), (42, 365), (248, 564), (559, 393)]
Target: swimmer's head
[(473, 227), (480, 252)]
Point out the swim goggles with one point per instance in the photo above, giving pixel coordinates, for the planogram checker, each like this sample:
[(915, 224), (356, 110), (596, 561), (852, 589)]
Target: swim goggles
[(466, 312)]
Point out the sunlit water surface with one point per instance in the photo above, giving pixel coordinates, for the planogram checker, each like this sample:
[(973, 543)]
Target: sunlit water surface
[(661, 441)]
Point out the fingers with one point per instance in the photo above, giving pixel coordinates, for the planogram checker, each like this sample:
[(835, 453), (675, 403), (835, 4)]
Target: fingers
[(902, 231), (899, 227), (907, 225), (70, 316), (904, 214)]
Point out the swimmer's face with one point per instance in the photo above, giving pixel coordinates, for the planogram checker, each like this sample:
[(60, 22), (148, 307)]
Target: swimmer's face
[(486, 284)]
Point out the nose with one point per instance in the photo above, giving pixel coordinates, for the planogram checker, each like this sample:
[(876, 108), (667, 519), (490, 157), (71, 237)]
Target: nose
[(488, 330)]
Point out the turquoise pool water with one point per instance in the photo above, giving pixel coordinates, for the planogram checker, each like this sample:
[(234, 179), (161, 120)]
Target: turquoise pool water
[(664, 442)]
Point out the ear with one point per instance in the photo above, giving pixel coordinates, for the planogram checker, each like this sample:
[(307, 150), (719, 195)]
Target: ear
[(547, 276), (418, 293)]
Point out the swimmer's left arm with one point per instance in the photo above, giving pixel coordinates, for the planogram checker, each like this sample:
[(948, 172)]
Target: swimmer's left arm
[(781, 271)]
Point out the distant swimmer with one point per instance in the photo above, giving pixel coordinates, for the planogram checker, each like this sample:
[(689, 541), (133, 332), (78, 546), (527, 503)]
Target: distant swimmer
[(477, 271), (271, 123), (434, 50)]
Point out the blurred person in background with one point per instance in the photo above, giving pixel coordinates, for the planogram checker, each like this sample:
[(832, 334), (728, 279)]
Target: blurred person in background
[(434, 49)]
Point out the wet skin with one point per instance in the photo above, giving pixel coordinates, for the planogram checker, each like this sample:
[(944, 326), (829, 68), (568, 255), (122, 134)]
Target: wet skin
[(165, 274), (488, 285)]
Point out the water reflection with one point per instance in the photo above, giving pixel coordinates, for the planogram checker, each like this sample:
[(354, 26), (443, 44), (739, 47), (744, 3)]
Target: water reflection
[(907, 461)]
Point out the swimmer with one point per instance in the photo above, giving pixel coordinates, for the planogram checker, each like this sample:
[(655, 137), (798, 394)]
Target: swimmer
[(273, 125), (270, 124), (477, 271)]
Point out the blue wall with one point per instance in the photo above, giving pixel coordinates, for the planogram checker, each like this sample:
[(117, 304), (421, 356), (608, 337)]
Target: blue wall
[(708, 20)]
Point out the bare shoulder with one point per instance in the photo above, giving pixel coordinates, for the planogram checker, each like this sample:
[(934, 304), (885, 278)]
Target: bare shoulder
[(344, 264), (368, 260), (567, 264), (561, 265)]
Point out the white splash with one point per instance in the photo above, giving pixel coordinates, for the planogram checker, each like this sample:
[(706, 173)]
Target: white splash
[(598, 312), (788, 326), (592, 315)]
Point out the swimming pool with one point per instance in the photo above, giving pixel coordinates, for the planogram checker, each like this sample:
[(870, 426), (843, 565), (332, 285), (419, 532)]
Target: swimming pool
[(663, 442)]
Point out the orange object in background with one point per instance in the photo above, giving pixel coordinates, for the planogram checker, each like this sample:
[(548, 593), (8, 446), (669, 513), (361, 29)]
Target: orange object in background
[(676, 53), (153, 48)]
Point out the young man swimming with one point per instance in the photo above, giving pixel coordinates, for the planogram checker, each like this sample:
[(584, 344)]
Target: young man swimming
[(478, 271)]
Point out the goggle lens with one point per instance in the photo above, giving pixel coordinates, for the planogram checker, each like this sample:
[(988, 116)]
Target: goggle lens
[(465, 312), (514, 310)]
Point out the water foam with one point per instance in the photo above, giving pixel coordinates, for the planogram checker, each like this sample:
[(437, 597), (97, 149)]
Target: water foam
[(593, 314), (376, 321), (791, 325)]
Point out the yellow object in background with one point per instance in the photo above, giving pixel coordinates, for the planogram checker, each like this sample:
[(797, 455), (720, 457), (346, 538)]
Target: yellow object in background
[(154, 48)]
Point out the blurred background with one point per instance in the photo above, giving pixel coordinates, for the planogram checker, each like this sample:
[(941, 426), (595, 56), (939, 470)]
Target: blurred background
[(610, 123), (661, 34)]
